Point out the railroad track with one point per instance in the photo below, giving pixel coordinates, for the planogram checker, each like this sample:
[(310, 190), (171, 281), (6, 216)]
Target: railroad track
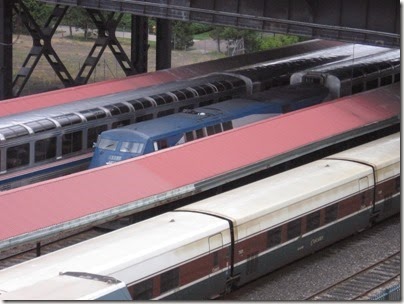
[(363, 282), (29, 252)]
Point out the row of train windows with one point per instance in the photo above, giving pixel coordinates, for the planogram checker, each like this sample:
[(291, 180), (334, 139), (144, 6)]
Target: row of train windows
[(210, 130), (170, 279), (375, 83), (44, 149), (294, 228)]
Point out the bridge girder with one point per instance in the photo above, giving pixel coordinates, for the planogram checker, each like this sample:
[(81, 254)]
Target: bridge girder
[(363, 21)]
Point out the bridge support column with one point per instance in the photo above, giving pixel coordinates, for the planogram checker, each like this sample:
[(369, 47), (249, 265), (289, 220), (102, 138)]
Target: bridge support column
[(140, 43), (163, 44), (6, 49)]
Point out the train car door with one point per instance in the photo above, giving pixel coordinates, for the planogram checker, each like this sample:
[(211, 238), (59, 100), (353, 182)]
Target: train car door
[(215, 246)]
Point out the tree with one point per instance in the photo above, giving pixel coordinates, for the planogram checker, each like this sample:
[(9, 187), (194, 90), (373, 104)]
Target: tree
[(182, 36)]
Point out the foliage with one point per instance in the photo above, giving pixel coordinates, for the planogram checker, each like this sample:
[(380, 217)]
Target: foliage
[(277, 40), (39, 11), (182, 36)]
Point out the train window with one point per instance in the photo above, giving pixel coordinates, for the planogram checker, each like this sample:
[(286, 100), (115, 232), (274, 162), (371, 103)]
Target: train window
[(160, 144), (218, 128), (68, 119), (145, 102), (199, 133), (189, 93), (207, 89), (136, 104), (180, 95), (132, 147), (169, 280), (41, 125), (357, 88), (274, 237), (219, 86), (93, 114), (397, 77), (386, 80), (121, 123), (45, 149), (17, 156), (373, 84), (142, 290), (216, 259), (227, 84), (93, 133), (201, 91), (294, 228), (331, 213), (313, 221), (13, 131), (168, 98), (210, 130), (158, 99), (113, 110), (107, 144), (165, 113), (144, 117), (228, 125), (206, 103), (71, 142), (189, 136)]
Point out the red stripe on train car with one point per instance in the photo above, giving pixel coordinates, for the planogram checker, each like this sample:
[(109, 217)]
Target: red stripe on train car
[(42, 205)]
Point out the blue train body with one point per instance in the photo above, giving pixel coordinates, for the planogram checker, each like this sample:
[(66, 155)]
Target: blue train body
[(150, 136)]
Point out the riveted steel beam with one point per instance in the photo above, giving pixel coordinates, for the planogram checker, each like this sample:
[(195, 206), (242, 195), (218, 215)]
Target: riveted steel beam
[(106, 37), (6, 50), (363, 21), (41, 37)]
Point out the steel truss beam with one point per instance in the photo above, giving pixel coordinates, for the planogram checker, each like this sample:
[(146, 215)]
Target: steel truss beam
[(41, 46), (361, 21), (106, 37), (6, 50)]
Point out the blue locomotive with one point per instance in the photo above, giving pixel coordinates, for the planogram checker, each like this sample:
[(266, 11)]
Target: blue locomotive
[(150, 136)]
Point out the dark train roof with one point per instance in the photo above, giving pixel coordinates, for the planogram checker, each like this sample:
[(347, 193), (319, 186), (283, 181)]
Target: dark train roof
[(76, 200)]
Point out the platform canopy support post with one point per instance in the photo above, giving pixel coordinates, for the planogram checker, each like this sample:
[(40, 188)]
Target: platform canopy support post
[(106, 27), (41, 46), (163, 44), (6, 49), (140, 43)]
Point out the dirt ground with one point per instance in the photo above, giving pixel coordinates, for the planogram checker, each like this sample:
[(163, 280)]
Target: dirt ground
[(73, 53)]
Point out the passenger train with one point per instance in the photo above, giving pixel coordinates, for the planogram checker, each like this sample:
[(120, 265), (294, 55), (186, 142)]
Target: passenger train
[(45, 143), (150, 136), (206, 249)]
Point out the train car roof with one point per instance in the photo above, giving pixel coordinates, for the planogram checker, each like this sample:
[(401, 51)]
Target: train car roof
[(95, 90), (64, 287), (34, 211), (125, 254), (280, 193), (275, 100)]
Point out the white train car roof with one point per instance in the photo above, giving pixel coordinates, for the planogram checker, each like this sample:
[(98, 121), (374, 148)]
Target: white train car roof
[(126, 254), (385, 157), (298, 191), (79, 288)]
